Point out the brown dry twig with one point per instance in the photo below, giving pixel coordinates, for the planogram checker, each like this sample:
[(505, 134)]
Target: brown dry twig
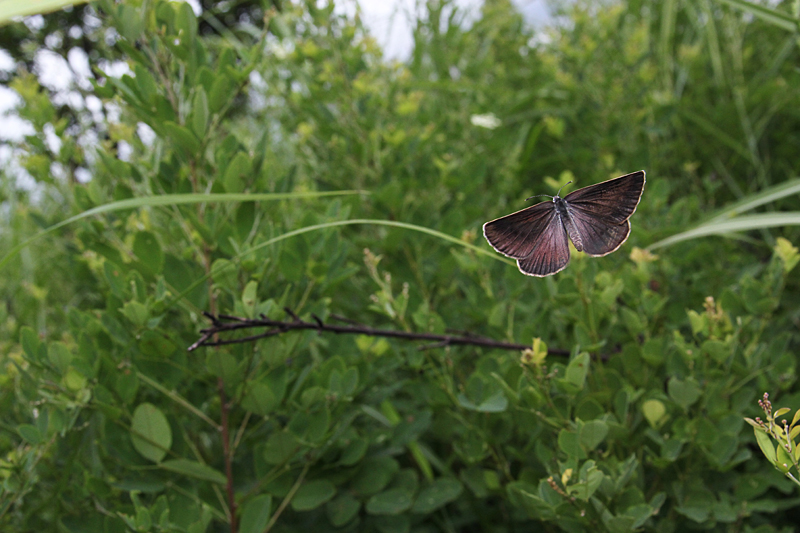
[(225, 323)]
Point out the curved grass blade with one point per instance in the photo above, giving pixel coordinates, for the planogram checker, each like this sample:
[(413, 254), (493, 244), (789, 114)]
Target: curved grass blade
[(337, 223), (13, 8), (723, 227), (771, 194), (174, 199), (774, 17)]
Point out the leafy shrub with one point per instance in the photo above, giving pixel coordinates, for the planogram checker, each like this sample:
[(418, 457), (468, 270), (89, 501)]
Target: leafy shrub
[(289, 169)]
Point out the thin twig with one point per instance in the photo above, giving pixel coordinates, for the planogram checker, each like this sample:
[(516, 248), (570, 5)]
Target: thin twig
[(225, 323), (288, 497)]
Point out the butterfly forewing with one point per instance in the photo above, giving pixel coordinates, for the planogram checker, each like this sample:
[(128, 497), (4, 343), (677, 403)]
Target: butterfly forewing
[(518, 234), (600, 212), (612, 201)]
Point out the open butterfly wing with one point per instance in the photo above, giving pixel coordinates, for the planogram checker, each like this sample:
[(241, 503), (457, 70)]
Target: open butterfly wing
[(600, 212), (517, 234), (535, 237), (613, 200), (551, 253)]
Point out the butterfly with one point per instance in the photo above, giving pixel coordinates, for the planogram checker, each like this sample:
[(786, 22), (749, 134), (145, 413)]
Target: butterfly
[(595, 218)]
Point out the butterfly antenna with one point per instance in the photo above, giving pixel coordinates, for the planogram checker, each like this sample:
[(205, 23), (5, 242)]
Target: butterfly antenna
[(537, 196), (559, 190)]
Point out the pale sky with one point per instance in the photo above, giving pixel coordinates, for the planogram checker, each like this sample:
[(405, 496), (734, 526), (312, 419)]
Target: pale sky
[(388, 20)]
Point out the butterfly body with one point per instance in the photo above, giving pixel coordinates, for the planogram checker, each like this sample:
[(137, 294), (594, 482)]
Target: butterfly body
[(595, 218), (566, 219)]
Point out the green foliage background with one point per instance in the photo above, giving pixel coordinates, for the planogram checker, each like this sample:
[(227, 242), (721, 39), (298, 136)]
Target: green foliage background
[(289, 119)]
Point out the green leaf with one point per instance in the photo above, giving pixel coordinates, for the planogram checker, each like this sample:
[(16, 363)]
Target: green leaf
[(259, 399), (255, 514), (684, 393), (114, 276), (222, 91), (496, 403), (313, 494), (593, 433), (591, 478), (237, 174), (30, 433), (438, 494), (342, 509), (148, 250), (186, 23), (344, 384), (577, 369), (250, 298), (137, 313), (280, 447), (634, 322), (130, 22), (766, 445), (200, 112), (654, 411), (60, 356), (224, 365), (716, 350), (400, 523), (127, 384), (194, 469), (182, 137), (390, 502), (353, 452), (318, 424), (569, 443), (788, 253), (373, 475), (224, 273), (150, 432), (525, 496), (30, 343)]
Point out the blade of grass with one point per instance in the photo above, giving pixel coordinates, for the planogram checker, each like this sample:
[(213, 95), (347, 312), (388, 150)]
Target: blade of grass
[(14, 8), (338, 223), (173, 199), (776, 18), (770, 194), (722, 227), (713, 44)]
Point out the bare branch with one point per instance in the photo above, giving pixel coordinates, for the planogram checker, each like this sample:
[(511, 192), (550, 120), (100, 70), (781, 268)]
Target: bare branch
[(225, 323)]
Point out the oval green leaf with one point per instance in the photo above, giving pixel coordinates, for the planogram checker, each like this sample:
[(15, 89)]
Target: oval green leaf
[(150, 432), (390, 502), (194, 469), (439, 493), (313, 494), (255, 514)]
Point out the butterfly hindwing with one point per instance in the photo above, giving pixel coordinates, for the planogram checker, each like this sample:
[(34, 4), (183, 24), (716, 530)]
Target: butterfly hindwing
[(551, 253), (598, 236)]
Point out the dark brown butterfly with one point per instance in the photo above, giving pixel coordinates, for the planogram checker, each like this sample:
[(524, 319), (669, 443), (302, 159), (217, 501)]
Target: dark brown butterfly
[(595, 218)]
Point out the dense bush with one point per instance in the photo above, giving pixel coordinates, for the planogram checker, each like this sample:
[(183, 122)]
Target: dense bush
[(290, 121)]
